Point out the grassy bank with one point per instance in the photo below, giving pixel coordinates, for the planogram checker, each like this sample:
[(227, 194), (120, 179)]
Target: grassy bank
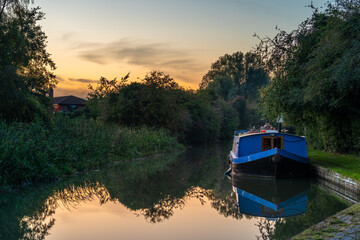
[(343, 225), (33, 152), (344, 164)]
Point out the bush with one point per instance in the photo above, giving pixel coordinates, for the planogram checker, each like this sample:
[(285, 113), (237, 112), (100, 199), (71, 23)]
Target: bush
[(34, 152), (316, 82)]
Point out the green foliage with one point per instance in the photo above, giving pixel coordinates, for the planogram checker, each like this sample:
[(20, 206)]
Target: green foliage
[(243, 73), (106, 87), (32, 152), (227, 65), (138, 142), (317, 77), (229, 118), (160, 80), (236, 79), (344, 164), (158, 102), (205, 122), (25, 79)]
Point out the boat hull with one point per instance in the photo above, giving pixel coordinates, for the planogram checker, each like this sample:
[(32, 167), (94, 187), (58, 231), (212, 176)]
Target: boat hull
[(274, 166)]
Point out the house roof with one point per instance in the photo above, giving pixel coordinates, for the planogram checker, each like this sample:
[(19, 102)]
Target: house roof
[(69, 100)]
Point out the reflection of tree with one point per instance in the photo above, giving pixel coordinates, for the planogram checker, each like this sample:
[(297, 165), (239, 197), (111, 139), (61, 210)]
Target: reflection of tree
[(165, 207), (74, 195), (151, 188), (227, 205), (35, 227), (162, 210), (266, 228), (38, 225), (155, 195)]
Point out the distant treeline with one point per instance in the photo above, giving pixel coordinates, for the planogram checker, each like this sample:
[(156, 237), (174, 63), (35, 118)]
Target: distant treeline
[(225, 102)]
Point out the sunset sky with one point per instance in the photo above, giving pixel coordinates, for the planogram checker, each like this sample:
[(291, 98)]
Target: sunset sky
[(109, 38)]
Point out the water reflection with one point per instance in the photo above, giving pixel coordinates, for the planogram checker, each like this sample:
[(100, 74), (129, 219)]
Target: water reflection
[(38, 225), (271, 198), (188, 198)]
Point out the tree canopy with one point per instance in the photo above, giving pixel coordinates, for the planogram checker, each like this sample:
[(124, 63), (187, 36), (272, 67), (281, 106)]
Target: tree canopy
[(158, 101), (236, 79), (25, 65), (236, 74), (316, 76)]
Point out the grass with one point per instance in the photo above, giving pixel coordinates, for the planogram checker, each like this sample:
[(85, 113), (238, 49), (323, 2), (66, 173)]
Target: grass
[(32, 152), (347, 165), (344, 164)]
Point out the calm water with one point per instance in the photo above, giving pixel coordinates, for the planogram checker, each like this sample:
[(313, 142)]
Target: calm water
[(145, 199)]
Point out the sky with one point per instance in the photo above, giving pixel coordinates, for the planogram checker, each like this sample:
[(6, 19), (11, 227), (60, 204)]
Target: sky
[(89, 39)]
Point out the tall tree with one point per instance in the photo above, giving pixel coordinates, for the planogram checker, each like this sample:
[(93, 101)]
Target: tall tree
[(227, 65), (246, 73), (237, 78), (316, 71), (25, 65)]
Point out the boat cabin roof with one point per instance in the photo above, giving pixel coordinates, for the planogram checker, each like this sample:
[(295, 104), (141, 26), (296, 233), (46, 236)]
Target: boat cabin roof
[(268, 132)]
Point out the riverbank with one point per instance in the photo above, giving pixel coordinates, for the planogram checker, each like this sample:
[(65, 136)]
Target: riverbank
[(341, 171), (33, 152), (346, 165), (343, 225)]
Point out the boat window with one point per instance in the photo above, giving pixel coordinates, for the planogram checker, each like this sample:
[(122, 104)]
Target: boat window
[(269, 142), (277, 142), (266, 144)]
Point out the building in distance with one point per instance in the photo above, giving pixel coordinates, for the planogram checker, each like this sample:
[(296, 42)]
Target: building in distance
[(68, 103)]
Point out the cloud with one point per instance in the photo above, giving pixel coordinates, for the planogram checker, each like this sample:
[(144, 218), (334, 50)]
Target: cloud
[(140, 53), (82, 80), (67, 36), (59, 78)]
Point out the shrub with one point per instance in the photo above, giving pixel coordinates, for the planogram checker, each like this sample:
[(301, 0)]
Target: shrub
[(33, 152)]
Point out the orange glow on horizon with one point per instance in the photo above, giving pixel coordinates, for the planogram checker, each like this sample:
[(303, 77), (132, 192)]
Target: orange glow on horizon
[(80, 88), (183, 41)]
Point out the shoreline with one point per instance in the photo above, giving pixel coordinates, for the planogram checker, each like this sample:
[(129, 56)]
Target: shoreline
[(159, 155), (344, 224), (34, 153)]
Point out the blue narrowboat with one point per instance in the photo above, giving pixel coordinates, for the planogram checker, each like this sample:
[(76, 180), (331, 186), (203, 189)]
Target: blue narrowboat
[(269, 154)]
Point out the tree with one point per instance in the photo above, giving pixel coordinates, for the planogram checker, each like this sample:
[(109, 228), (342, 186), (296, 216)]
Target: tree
[(160, 80), (25, 65), (156, 101), (236, 79), (107, 87), (246, 73), (227, 65), (316, 76)]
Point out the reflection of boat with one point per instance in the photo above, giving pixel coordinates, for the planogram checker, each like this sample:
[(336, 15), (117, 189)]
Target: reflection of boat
[(271, 198), (269, 154)]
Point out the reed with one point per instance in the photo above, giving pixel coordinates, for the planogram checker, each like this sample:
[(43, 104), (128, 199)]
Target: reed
[(33, 152)]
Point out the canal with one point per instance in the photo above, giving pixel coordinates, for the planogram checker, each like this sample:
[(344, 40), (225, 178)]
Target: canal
[(190, 198)]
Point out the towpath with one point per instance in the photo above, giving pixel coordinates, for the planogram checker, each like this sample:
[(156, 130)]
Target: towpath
[(344, 225)]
